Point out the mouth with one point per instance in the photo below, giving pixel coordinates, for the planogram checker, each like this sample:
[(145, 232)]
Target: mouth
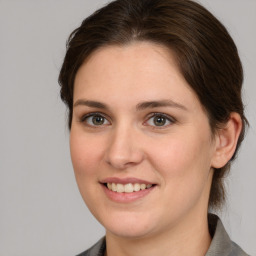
[(126, 190), (128, 187)]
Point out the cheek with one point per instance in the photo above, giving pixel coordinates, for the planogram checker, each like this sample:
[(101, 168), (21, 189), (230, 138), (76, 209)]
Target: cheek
[(184, 167), (183, 156), (85, 153)]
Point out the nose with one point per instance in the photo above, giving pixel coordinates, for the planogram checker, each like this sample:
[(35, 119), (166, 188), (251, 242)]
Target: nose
[(124, 150)]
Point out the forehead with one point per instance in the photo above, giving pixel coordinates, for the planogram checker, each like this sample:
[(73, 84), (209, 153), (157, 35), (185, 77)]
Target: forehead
[(140, 70), (136, 56)]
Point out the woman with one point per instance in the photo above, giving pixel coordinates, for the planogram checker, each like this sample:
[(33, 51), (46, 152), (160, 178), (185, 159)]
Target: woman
[(153, 89)]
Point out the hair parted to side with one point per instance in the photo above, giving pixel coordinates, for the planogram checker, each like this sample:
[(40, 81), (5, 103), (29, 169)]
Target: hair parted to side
[(205, 54)]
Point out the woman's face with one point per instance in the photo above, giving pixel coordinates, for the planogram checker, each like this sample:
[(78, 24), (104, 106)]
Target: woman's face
[(136, 124)]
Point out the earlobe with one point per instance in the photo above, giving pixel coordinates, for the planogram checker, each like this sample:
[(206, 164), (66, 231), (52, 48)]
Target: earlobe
[(226, 140)]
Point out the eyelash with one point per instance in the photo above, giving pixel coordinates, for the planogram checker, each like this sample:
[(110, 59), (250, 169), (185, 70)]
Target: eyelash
[(168, 118), (171, 120), (91, 115)]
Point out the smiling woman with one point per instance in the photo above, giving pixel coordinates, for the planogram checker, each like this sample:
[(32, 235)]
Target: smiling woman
[(153, 89)]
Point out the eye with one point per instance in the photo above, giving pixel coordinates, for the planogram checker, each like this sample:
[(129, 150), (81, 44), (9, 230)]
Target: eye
[(159, 120), (95, 119)]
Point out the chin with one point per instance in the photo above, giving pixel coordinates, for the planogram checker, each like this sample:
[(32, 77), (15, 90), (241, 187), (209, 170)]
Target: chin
[(134, 232), (133, 226)]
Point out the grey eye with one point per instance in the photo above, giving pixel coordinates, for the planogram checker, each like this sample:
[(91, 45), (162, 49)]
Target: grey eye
[(98, 120), (95, 120), (159, 120)]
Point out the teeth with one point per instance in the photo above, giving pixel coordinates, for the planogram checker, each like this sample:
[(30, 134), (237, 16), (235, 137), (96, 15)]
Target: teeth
[(143, 186), (136, 187), (119, 188), (127, 188), (113, 187)]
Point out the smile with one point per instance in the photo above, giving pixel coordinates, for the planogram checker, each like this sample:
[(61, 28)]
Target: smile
[(127, 188)]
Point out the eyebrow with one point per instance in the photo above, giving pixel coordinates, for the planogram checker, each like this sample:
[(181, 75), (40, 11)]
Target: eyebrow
[(139, 107), (90, 103), (160, 103)]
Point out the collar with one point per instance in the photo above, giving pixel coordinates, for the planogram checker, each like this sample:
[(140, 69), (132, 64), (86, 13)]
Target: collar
[(221, 243)]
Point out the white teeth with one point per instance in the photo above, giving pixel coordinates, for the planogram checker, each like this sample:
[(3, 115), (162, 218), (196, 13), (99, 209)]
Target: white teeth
[(143, 186), (113, 187), (127, 188), (136, 187), (119, 188)]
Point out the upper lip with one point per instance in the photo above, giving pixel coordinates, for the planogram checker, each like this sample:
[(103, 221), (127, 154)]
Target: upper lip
[(125, 180)]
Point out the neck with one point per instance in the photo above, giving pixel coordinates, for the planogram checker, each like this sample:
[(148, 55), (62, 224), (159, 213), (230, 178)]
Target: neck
[(191, 238)]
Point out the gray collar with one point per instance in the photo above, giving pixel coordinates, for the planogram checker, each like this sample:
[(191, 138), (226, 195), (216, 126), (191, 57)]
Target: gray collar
[(221, 243)]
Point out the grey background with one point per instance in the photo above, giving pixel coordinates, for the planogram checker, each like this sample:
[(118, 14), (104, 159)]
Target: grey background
[(41, 211)]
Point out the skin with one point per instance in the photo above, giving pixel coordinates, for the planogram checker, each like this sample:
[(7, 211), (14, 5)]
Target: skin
[(178, 157)]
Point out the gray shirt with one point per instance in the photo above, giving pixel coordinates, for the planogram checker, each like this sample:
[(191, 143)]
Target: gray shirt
[(221, 244)]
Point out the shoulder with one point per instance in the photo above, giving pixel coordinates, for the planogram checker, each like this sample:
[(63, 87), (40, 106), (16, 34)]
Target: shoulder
[(236, 250), (97, 249), (221, 243)]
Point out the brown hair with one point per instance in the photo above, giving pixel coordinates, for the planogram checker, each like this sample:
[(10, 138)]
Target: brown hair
[(205, 53)]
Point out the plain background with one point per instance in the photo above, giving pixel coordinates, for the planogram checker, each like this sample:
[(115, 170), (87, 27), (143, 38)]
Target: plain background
[(41, 211)]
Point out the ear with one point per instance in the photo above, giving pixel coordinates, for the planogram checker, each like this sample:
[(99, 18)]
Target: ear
[(226, 140)]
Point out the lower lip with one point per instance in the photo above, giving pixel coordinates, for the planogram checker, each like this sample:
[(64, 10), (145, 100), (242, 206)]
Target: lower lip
[(126, 197)]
